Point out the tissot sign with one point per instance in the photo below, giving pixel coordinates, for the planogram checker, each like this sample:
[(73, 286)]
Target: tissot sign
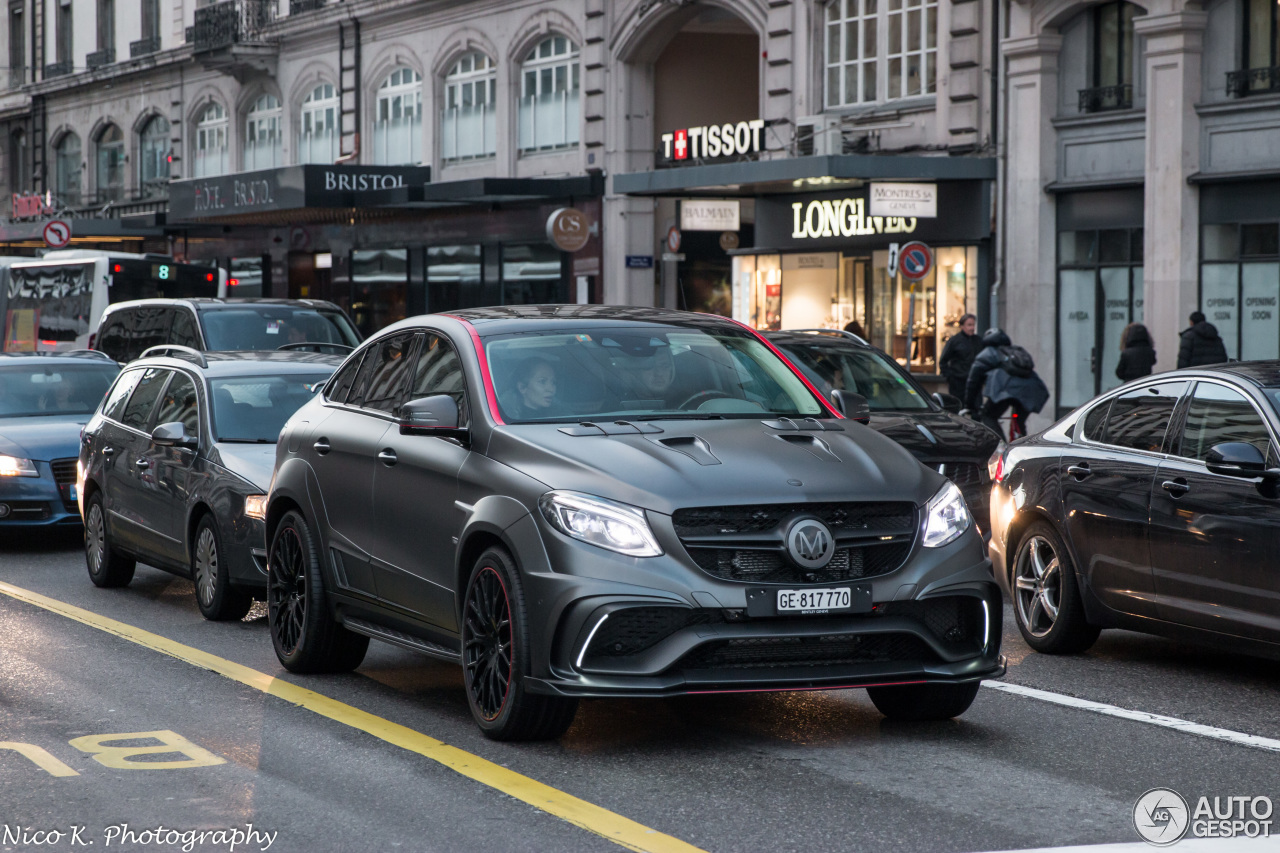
[(713, 141), (287, 188)]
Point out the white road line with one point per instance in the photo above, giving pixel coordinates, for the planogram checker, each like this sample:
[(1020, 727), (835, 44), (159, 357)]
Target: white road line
[(1184, 726), (1186, 845)]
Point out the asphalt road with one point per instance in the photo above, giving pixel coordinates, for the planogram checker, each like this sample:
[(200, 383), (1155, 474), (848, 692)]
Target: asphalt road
[(763, 772)]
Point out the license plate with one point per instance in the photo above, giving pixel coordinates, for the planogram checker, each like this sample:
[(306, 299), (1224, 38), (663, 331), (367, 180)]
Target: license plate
[(815, 600), (74, 494)]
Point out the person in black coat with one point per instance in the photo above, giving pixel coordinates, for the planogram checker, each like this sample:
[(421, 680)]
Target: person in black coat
[(1022, 391), (1137, 356), (958, 355), (1201, 344)]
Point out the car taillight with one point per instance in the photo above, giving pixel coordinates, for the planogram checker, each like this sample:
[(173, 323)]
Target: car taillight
[(93, 338), (995, 465)]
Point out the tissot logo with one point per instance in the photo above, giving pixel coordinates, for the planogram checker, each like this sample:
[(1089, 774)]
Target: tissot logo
[(810, 543), (713, 140)]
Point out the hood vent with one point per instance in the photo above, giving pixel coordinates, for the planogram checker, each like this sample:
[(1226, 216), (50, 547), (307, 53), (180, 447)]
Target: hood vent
[(811, 443), (692, 446)]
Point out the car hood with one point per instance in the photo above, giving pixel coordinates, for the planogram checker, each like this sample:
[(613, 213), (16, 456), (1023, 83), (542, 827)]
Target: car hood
[(42, 438), (713, 463), (949, 436), (254, 462)]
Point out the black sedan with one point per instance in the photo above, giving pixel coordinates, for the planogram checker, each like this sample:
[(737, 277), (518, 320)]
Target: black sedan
[(176, 462), (1155, 507), (925, 424), (584, 501)]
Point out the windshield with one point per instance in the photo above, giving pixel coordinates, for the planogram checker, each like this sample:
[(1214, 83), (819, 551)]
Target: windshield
[(642, 373), (34, 389), (268, 327), (862, 371), (253, 409)]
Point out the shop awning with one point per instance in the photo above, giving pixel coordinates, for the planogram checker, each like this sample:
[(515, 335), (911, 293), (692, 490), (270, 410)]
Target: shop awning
[(767, 177), (488, 191)]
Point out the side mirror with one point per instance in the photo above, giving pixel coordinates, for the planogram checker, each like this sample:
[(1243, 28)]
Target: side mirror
[(948, 403), (173, 435), (853, 406), (429, 414), (1238, 459)]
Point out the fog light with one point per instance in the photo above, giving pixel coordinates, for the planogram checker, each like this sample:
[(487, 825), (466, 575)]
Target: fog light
[(4, 510)]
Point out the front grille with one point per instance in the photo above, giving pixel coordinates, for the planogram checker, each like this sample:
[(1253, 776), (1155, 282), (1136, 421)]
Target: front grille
[(877, 518), (833, 650), (635, 629), (953, 619), (64, 474), (771, 566)]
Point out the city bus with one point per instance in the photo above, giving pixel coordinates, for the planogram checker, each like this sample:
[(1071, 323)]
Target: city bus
[(54, 303)]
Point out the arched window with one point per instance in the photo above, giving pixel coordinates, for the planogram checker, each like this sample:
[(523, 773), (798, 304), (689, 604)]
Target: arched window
[(19, 162), (549, 96), (153, 156), (67, 168), (468, 124), (397, 129), (880, 51), (262, 139), (1111, 58), (110, 172), (318, 138), (211, 143)]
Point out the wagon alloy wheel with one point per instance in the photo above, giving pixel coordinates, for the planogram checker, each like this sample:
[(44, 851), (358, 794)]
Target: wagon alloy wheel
[(288, 591), (95, 536), (487, 639), (206, 567), (107, 566), (1038, 585)]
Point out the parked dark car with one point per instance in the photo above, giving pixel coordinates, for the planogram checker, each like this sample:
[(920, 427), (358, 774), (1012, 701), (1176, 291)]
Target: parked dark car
[(1155, 507), (926, 424), (176, 464), (128, 329), (44, 401), (585, 501)]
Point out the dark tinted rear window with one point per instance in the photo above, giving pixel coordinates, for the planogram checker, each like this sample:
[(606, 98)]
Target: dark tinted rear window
[(268, 327), (1138, 420)]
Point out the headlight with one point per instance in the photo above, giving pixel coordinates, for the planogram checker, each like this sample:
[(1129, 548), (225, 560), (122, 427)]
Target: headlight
[(596, 521), (255, 506), (13, 466), (946, 517)]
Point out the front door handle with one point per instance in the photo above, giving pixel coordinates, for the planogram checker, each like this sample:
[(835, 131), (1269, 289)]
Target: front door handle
[(108, 451), (321, 446), (141, 464), (1079, 471), (1177, 488), (387, 457)]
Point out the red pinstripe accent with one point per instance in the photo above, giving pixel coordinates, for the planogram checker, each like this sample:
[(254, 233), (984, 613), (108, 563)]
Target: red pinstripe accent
[(489, 393), (762, 339)]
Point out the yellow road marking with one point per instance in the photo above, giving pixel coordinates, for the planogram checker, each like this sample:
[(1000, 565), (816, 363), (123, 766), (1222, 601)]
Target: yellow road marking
[(40, 757), (593, 818)]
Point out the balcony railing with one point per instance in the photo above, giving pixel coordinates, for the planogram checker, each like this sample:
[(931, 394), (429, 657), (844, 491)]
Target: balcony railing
[(144, 47), (1253, 81), (1102, 98), (99, 58), (231, 22), (58, 69), (299, 6)]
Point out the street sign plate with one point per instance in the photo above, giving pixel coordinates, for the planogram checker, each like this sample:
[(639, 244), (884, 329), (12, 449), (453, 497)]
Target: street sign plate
[(915, 261), (57, 234)]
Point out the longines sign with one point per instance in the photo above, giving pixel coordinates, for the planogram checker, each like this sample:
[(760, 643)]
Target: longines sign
[(287, 188)]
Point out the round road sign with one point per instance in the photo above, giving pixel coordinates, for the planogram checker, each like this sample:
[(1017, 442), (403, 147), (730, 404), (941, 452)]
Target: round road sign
[(673, 239), (915, 260), (57, 234)]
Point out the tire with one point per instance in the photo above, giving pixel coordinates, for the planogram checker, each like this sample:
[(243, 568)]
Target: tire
[(217, 599), (495, 657), (1046, 596), (303, 631), (924, 701), (107, 566)]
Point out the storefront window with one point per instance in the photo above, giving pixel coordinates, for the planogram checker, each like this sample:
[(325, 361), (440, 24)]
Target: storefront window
[(318, 140), (533, 275), (454, 278), (1240, 286), (379, 287), (247, 276)]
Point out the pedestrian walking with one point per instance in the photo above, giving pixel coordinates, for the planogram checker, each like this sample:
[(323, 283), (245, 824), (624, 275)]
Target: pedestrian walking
[(856, 328), (1201, 344), (958, 355), (1137, 356), (1005, 377)]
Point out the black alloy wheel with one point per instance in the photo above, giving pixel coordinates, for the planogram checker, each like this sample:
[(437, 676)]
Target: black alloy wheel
[(303, 631), (1046, 597), (495, 657), (107, 566)]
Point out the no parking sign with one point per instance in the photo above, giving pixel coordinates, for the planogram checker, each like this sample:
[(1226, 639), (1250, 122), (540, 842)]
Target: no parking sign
[(915, 261)]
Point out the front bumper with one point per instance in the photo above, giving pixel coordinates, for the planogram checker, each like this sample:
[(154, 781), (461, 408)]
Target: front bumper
[(37, 501)]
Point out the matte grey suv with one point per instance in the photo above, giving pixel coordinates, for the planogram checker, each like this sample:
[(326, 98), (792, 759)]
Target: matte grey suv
[(584, 501)]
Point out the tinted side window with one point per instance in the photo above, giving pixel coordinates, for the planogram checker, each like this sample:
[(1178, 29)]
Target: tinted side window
[(342, 382), (1095, 421), (183, 330), (113, 338), (1138, 420), (1218, 414), (384, 376), (439, 371), (113, 407), (138, 412), (179, 404), (150, 329)]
